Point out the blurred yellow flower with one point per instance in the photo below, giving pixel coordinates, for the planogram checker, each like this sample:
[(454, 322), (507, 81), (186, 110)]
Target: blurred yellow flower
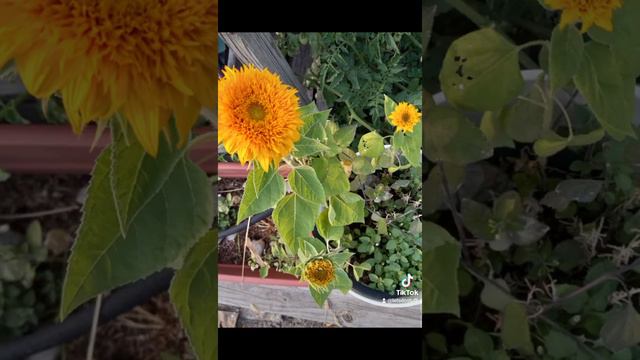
[(319, 272), (144, 59), (405, 117), (258, 115), (589, 12)]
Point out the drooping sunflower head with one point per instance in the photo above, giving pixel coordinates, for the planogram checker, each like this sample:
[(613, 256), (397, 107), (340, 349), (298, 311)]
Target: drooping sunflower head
[(258, 115), (589, 12), (145, 59), (405, 117), (319, 272)]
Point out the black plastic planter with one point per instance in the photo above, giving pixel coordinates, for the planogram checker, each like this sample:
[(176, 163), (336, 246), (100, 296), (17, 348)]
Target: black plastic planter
[(376, 297)]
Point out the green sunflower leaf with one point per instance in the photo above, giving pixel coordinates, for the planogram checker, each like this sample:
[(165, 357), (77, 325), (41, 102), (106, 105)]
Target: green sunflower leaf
[(294, 217), (308, 146), (332, 175), (345, 209), (342, 281), (192, 290), (326, 230), (610, 95), (304, 182), (441, 257), (262, 191), (159, 233), (567, 48), (136, 177)]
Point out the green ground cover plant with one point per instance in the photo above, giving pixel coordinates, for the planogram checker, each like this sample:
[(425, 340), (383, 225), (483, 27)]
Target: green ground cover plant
[(533, 195)]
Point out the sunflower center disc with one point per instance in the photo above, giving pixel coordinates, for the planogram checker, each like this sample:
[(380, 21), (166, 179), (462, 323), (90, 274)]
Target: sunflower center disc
[(257, 112), (405, 117)]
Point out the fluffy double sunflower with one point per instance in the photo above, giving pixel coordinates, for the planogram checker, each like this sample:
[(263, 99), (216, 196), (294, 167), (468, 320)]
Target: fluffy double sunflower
[(589, 12), (258, 115), (144, 59), (405, 117), (319, 272)]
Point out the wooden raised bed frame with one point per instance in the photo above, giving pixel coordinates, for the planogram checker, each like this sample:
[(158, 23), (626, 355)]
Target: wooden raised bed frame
[(55, 149)]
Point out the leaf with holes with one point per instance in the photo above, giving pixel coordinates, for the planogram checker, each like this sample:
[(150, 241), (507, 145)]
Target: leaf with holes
[(480, 71)]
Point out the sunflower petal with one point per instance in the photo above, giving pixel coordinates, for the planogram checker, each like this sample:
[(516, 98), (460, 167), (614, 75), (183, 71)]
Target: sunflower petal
[(145, 122), (186, 113)]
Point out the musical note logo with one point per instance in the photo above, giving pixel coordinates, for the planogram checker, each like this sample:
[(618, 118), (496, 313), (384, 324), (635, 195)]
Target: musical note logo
[(406, 282)]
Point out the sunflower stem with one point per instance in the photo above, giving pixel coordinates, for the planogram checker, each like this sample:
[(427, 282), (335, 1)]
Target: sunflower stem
[(533, 43), (566, 116), (470, 13), (358, 118)]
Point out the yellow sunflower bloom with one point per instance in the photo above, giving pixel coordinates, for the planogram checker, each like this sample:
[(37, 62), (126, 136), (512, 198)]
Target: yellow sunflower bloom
[(405, 117), (144, 59), (589, 12), (258, 115), (319, 272)]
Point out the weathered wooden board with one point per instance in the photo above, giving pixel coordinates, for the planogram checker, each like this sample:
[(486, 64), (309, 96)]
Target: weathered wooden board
[(342, 310), (261, 50)]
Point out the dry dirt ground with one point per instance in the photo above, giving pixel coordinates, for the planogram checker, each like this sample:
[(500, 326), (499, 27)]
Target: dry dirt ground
[(150, 331)]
